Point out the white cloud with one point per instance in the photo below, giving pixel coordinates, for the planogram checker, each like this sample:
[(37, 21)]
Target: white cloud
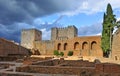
[(94, 29), (46, 34), (92, 6), (118, 19), (38, 21)]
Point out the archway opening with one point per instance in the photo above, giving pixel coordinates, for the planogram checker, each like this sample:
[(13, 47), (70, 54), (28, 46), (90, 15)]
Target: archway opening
[(76, 46), (65, 46), (94, 45), (59, 46), (85, 46)]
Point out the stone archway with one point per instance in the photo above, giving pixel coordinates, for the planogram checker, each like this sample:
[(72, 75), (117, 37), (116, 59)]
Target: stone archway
[(65, 46), (76, 46), (85, 46), (59, 46), (94, 45), (93, 50), (85, 49)]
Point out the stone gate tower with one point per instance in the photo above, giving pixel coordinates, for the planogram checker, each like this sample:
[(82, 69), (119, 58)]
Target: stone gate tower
[(28, 36)]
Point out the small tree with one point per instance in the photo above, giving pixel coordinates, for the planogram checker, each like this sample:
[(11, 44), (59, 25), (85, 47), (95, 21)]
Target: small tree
[(70, 53), (61, 54), (56, 52)]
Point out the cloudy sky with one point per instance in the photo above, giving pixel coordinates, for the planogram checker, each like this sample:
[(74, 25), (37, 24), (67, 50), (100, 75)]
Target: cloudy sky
[(86, 15)]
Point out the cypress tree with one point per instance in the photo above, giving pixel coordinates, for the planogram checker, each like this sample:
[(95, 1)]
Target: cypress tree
[(109, 22)]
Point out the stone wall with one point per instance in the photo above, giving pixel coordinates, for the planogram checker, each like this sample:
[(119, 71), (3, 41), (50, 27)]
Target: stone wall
[(28, 36), (44, 47), (80, 68), (107, 68), (84, 46), (13, 74), (54, 70), (63, 33), (116, 45), (9, 48)]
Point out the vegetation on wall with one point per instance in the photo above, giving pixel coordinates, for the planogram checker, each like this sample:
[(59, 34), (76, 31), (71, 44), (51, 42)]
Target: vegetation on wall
[(61, 54), (109, 22), (57, 53), (70, 53)]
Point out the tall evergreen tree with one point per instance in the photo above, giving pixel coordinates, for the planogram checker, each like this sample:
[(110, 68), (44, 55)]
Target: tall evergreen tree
[(109, 22)]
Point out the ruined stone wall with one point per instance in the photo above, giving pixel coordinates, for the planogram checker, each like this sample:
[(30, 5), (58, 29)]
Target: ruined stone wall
[(79, 68), (116, 45), (63, 33), (11, 48), (28, 36)]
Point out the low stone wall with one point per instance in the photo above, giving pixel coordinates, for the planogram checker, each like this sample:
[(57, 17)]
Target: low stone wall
[(47, 62), (5, 65), (108, 68), (77, 63), (71, 63), (54, 70), (33, 60), (8, 58), (10, 74)]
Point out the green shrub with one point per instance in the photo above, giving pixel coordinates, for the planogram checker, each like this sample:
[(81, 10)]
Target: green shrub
[(70, 53), (61, 54), (56, 52)]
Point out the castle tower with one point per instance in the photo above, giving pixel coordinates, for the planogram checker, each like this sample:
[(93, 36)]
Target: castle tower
[(28, 36), (64, 33), (72, 32)]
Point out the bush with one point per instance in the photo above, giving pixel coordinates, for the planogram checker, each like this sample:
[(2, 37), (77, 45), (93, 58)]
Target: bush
[(70, 53), (61, 54), (56, 52)]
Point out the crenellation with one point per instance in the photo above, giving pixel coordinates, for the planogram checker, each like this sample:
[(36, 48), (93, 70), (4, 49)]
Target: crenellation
[(64, 33)]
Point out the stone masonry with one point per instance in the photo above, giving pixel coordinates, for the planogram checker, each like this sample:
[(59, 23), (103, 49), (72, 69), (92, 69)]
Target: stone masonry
[(64, 33), (10, 48), (30, 35), (62, 39), (116, 45)]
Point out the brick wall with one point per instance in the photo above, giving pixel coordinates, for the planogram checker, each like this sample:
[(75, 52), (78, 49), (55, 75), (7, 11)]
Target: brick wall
[(107, 68), (11, 48), (82, 68), (84, 50), (53, 70)]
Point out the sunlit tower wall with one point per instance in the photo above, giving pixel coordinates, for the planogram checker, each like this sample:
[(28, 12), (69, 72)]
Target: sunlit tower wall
[(72, 32), (64, 33), (28, 36)]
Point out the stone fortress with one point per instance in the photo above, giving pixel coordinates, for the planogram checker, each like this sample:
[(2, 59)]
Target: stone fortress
[(66, 39), (62, 39)]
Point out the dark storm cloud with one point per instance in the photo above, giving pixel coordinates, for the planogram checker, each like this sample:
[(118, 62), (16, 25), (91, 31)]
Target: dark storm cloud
[(19, 14), (25, 10)]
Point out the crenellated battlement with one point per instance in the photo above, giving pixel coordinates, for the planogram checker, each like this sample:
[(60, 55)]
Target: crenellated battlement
[(64, 33)]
